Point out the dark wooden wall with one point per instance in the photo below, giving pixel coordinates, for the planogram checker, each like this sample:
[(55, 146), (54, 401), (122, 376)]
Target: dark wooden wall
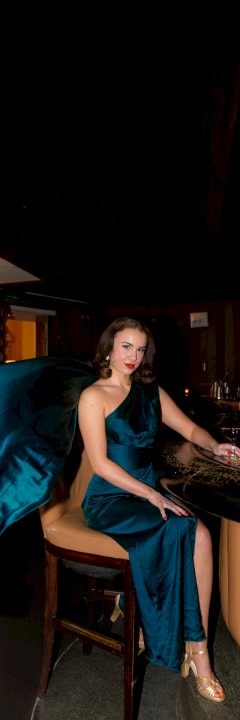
[(192, 356)]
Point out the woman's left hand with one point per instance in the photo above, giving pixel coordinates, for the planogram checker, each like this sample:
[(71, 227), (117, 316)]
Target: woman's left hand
[(225, 450)]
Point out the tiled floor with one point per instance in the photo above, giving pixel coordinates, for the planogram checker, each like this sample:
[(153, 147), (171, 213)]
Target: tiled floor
[(21, 613)]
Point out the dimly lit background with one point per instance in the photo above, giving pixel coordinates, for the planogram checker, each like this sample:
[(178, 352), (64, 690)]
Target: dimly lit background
[(120, 150)]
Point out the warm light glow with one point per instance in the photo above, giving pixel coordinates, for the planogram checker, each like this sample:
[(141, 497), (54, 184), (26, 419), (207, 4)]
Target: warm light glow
[(186, 392)]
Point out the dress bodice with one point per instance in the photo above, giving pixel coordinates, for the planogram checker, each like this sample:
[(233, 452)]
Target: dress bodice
[(136, 421), (132, 431)]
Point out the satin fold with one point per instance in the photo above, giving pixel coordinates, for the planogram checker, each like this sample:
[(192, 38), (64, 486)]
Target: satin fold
[(38, 414)]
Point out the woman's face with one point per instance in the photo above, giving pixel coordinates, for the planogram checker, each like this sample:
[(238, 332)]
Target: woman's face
[(128, 350)]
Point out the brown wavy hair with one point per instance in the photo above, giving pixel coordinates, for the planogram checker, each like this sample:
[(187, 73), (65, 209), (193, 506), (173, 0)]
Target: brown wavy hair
[(146, 372)]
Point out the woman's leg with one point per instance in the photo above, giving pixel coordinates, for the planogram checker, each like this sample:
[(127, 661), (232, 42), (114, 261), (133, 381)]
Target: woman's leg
[(203, 563)]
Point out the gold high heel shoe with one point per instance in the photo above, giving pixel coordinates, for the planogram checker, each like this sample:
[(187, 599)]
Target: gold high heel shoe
[(114, 616), (208, 687)]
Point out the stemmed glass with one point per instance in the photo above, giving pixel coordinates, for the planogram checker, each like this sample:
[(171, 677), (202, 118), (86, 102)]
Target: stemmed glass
[(231, 434)]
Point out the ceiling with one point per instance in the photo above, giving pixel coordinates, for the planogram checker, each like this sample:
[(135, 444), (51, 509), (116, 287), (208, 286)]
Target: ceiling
[(111, 187), (11, 274)]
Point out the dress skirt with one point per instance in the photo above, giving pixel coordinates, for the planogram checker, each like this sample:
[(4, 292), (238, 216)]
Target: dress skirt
[(161, 557)]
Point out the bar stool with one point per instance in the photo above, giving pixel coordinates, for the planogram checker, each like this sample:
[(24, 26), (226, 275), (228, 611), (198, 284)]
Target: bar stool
[(68, 539)]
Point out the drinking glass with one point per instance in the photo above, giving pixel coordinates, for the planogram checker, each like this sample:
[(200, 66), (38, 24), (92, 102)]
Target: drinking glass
[(231, 434)]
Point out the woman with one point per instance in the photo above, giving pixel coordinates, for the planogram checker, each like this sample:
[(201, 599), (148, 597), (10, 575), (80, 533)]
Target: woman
[(170, 549)]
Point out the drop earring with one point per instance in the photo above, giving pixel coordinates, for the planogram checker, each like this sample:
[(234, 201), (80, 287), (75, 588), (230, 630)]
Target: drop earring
[(107, 358)]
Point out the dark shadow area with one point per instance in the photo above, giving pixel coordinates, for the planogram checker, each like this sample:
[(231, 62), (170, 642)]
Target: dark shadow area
[(172, 356), (21, 544)]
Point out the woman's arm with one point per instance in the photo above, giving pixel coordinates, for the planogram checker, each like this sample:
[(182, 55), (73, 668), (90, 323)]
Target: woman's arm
[(174, 418)]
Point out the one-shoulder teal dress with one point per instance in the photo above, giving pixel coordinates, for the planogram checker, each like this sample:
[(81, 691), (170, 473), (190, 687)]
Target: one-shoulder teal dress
[(161, 552)]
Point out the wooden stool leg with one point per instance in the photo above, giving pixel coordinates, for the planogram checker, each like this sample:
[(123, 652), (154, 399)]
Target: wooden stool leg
[(51, 573), (130, 639), (91, 584)]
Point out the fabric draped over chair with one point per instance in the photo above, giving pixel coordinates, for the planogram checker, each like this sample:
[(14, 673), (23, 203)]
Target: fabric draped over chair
[(38, 414)]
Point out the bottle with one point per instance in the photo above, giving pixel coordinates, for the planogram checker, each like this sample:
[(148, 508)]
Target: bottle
[(214, 390), (225, 391), (219, 390)]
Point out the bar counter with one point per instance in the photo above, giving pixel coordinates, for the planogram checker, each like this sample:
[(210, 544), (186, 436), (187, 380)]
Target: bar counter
[(201, 480)]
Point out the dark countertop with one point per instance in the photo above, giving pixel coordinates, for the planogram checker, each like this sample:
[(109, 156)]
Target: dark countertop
[(198, 478)]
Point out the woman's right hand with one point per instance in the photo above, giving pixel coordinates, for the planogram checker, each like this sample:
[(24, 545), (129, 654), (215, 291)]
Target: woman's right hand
[(163, 503)]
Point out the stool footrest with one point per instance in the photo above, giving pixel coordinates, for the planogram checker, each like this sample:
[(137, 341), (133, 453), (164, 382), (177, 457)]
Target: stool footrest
[(102, 640)]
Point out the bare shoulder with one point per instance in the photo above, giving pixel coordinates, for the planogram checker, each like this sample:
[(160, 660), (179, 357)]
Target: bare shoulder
[(162, 393), (166, 399), (92, 393)]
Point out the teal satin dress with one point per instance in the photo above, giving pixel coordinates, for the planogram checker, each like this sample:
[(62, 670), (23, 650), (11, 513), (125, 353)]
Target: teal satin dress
[(161, 552), (38, 411)]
